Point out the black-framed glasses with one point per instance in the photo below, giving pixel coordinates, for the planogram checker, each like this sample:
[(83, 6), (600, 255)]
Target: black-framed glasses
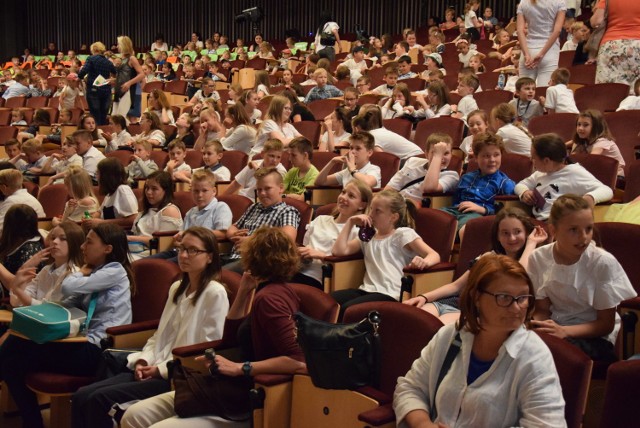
[(505, 300), (191, 251)]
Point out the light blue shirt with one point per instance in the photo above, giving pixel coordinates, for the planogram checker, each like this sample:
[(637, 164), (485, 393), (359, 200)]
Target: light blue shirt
[(215, 216), (113, 307), (15, 90)]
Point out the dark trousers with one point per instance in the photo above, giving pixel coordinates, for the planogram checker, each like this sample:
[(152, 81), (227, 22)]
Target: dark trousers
[(90, 404), (99, 103), (18, 357), (328, 52), (353, 296)]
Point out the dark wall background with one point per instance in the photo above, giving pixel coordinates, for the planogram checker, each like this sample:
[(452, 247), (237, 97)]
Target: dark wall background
[(69, 23)]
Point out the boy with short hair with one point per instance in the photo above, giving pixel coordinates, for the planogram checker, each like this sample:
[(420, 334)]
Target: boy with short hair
[(120, 136), (268, 210), (363, 84), (391, 79), (13, 149), (476, 191), (19, 88), (525, 104), (559, 98), (141, 165), (404, 68), (61, 162), (429, 174), (356, 64), (467, 86), (302, 173), (11, 189), (212, 153), (36, 158), (578, 32), (177, 153), (356, 162), (322, 90), (245, 182), (402, 48), (89, 154)]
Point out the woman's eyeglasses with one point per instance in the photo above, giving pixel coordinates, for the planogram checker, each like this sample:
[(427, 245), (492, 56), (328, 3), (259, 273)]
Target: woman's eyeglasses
[(505, 300), (191, 251)]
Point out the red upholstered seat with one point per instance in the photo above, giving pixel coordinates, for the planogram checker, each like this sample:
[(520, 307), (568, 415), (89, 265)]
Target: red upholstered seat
[(56, 383), (621, 395)]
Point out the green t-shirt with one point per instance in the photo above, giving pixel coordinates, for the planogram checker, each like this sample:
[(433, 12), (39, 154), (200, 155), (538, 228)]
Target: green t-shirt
[(293, 183)]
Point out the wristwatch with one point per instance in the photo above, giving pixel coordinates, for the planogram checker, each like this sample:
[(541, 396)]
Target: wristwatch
[(246, 368), (353, 172)]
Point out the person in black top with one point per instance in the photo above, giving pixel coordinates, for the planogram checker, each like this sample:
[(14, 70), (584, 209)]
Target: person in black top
[(98, 96)]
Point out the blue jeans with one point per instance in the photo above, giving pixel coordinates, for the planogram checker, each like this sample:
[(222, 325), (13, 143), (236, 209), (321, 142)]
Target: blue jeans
[(99, 102)]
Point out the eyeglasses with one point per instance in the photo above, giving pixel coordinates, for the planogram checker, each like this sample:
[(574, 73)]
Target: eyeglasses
[(505, 300), (350, 99), (191, 252)]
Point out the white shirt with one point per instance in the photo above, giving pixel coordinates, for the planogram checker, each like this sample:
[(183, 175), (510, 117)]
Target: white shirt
[(90, 161), (185, 323), (221, 173), (46, 285), (155, 134), (415, 168), (351, 64), (344, 176), (632, 102), (468, 19), (515, 140), (521, 388), (569, 45), (466, 146), (384, 260), (464, 58), (246, 178), (327, 28), (560, 98), (153, 221), (572, 178), (201, 97), (60, 165), (240, 138), (466, 105), (182, 167), (123, 201), (395, 144), (595, 282), (540, 17), (119, 139), (266, 128), (20, 196), (321, 234)]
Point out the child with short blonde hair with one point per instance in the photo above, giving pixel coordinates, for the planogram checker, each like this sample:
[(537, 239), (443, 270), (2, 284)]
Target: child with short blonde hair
[(212, 153), (141, 165), (82, 199), (36, 159)]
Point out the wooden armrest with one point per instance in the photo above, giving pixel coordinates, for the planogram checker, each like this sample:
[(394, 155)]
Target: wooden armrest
[(170, 233), (133, 327), (437, 200), (338, 259), (379, 416), (339, 273), (161, 241), (419, 281), (322, 195), (376, 394), (194, 350), (6, 316), (272, 379), (439, 267), (130, 336)]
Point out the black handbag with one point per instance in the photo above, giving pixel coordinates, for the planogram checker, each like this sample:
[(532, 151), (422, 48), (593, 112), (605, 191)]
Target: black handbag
[(202, 394), (341, 356)]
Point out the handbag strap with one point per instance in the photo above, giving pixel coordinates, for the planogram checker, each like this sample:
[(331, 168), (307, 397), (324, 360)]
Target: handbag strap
[(454, 348), (411, 183), (90, 311)]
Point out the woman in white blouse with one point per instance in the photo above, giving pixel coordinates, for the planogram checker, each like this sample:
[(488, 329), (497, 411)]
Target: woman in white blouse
[(158, 214), (276, 125), (195, 312), (151, 131), (492, 352)]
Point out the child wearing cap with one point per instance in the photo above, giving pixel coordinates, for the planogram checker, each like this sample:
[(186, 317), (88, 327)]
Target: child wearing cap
[(433, 61), (70, 92)]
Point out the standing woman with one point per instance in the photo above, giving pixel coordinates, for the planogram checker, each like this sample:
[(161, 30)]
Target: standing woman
[(327, 30), (540, 50), (619, 53), (472, 23), (128, 92), (98, 96)]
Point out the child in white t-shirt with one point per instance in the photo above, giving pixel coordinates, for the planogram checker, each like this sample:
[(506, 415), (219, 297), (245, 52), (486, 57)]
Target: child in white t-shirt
[(559, 98)]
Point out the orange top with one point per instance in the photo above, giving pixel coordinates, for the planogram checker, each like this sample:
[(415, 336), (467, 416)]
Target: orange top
[(623, 21)]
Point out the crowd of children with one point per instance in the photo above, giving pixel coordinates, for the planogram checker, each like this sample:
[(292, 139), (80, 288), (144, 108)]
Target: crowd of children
[(577, 285)]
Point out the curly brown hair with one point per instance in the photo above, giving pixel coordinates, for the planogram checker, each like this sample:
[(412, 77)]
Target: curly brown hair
[(269, 254)]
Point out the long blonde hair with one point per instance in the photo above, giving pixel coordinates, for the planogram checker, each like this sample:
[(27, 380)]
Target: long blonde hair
[(125, 46)]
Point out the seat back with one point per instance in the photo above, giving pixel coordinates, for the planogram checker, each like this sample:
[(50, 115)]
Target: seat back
[(323, 108), (414, 84), (150, 86), (15, 102), (5, 116), (153, 279), (234, 160), (621, 395), (123, 156), (388, 163), (184, 201), (604, 168), (325, 209), (404, 331), (517, 167), (194, 159), (369, 99), (178, 87), (310, 130), (477, 240), (256, 63), (563, 124), (7, 133), (37, 102), (602, 96), (52, 198), (574, 372), (621, 239), (238, 205), (306, 213), (321, 159), (160, 158), (625, 128), (316, 303), (437, 229), (632, 182), (584, 74), (488, 99), (449, 125), (399, 126)]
